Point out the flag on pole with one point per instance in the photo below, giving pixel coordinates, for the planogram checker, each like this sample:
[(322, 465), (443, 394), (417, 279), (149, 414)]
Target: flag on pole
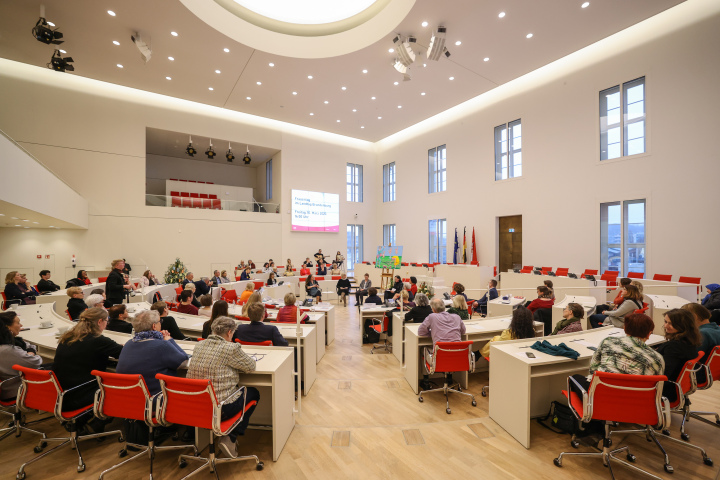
[(474, 248), (455, 249), (464, 246)]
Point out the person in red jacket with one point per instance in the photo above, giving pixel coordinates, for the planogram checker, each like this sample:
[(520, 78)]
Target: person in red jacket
[(544, 299), (288, 313)]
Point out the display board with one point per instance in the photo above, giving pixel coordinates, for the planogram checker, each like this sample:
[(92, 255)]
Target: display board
[(315, 211), (388, 257)]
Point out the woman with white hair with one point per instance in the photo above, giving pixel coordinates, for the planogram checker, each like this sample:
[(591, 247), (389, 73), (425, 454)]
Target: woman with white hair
[(95, 300), (420, 311)]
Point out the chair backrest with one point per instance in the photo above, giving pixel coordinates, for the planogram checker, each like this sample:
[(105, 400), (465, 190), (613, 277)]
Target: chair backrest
[(545, 269), (102, 279), (612, 273), (662, 277), (686, 379), (187, 401), (194, 195), (230, 296), (527, 269), (695, 280), (544, 315), (203, 195), (179, 290), (266, 343), (122, 396), (610, 279), (626, 398), (184, 194), (39, 390), (335, 277), (712, 367), (175, 202), (259, 285), (639, 275), (590, 271), (175, 194), (453, 357), (644, 309), (562, 272), (242, 318)]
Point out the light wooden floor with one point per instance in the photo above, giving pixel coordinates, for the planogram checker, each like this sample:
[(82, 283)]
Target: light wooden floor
[(362, 421)]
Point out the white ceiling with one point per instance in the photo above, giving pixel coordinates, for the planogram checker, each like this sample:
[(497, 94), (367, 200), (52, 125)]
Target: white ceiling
[(14, 216), (559, 27)]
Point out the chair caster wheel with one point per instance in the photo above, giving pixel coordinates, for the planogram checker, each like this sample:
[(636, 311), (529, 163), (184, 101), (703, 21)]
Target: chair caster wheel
[(630, 457), (182, 463), (259, 466), (81, 468), (483, 393), (447, 410), (685, 436), (717, 422), (122, 453), (557, 462), (121, 439), (20, 476), (668, 468), (176, 436), (708, 461), (666, 433), (37, 449), (420, 399), (574, 444), (474, 403)]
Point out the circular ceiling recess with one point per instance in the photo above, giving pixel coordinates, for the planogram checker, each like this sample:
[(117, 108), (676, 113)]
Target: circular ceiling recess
[(303, 29)]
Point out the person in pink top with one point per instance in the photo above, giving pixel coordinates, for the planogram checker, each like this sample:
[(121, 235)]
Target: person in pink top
[(441, 326)]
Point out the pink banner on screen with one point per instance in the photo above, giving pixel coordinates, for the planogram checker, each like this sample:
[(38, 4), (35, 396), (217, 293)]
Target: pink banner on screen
[(315, 211), (298, 228)]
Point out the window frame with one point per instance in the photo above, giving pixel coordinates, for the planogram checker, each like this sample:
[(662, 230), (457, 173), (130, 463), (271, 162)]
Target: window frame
[(354, 182), (437, 245), (389, 173), (437, 169), (624, 122), (624, 246), (389, 232), (355, 255), (268, 180), (510, 152)]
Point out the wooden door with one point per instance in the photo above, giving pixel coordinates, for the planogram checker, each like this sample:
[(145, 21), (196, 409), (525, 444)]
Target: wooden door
[(510, 242)]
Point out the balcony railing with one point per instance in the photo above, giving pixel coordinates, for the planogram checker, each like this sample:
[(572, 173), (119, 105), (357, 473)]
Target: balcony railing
[(210, 204)]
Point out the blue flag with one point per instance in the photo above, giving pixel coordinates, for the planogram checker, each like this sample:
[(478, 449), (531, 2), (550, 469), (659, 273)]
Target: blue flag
[(455, 249)]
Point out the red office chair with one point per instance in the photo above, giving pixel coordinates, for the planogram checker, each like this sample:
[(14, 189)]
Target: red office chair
[(636, 275), (9, 408), (102, 279), (644, 309), (266, 343), (685, 386), (242, 318), (527, 269), (127, 396), (711, 371), (380, 325), (259, 285), (611, 280), (589, 271), (230, 296), (615, 397), (693, 280), (449, 357), (662, 277), (40, 390), (193, 403), (545, 270), (562, 272)]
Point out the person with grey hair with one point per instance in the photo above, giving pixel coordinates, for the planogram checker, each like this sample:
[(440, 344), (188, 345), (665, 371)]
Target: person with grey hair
[(442, 327), (194, 302), (222, 361), (95, 300), (188, 279), (420, 311), (150, 351), (203, 286)]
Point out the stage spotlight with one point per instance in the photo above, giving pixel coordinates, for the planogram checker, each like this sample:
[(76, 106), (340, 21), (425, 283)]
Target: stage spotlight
[(190, 150), (229, 155), (210, 152), (246, 158), (43, 33), (142, 46), (60, 64), (398, 65), (406, 55), (437, 45)]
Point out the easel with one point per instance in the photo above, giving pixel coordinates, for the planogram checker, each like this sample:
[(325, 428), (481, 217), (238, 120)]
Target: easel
[(386, 278)]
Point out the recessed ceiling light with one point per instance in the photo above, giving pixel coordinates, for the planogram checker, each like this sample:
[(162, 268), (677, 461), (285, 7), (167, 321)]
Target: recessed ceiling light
[(211, 88), (486, 59), (174, 34), (326, 102), (312, 113), (424, 24), (362, 127), (35, 223), (2, 214), (119, 66), (51, 24), (379, 118), (501, 14), (338, 121), (14, 218), (364, 71), (343, 88), (294, 93), (26, 227), (271, 64), (259, 83), (24, 220), (226, 50), (452, 78), (354, 109), (399, 106), (17, 225), (115, 42), (396, 83), (111, 13), (62, 51), (217, 71), (423, 94), (391, 50), (247, 98), (585, 5), (372, 98), (529, 35), (168, 78), (424, 64), (172, 59), (51, 226), (458, 43), (309, 77)]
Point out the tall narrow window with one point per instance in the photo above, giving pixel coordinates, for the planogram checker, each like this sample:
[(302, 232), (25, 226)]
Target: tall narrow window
[(508, 150), (268, 180), (622, 236), (354, 182), (354, 245), (437, 169), (437, 240), (389, 182), (622, 120), (388, 235)]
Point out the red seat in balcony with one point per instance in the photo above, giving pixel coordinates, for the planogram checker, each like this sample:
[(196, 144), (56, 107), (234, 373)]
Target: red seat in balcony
[(204, 195), (637, 275), (176, 202), (212, 196), (562, 272), (186, 202), (206, 203), (216, 204), (175, 194), (194, 195), (184, 194)]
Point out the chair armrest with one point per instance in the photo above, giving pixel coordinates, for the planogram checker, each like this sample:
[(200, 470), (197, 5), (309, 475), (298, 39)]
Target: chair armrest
[(77, 386), (680, 395), (587, 411), (665, 417), (221, 404), (61, 396)]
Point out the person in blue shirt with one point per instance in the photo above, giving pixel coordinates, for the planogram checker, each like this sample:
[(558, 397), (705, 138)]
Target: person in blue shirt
[(245, 275), (321, 269), (711, 301), (481, 305)]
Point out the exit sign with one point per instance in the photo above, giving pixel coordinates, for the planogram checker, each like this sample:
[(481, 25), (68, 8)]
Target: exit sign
[(511, 230)]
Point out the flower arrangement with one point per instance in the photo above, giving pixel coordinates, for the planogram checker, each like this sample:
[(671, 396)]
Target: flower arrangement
[(176, 272), (428, 290)]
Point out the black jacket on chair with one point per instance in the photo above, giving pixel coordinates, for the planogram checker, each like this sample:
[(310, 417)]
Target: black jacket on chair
[(544, 315), (115, 287)]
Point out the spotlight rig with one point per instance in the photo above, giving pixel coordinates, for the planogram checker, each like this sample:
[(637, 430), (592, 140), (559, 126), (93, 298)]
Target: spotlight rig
[(190, 150), (229, 155), (210, 152), (246, 158), (60, 64), (43, 33)]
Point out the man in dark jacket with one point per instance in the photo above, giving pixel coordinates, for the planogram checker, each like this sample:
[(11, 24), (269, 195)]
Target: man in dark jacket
[(115, 286), (45, 284), (202, 287), (712, 299), (257, 331)]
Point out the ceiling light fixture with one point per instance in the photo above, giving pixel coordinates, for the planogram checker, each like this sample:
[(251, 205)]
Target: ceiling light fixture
[(423, 94), (174, 34), (326, 102), (115, 42), (62, 51), (111, 13), (311, 114), (226, 50), (168, 78), (259, 83), (217, 71), (172, 59), (486, 59), (399, 106), (365, 71), (354, 109), (248, 98), (501, 14), (211, 88), (458, 43), (396, 83), (529, 35), (246, 158), (229, 155), (372, 98), (405, 54), (271, 64), (190, 150), (294, 93), (119, 65), (362, 126), (452, 78), (210, 152), (424, 24), (391, 50), (60, 64), (338, 121), (50, 23), (309, 77), (437, 44), (379, 118), (585, 5), (343, 88)]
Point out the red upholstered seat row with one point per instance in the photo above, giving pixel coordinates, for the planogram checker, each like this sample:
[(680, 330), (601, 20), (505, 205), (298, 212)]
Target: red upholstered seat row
[(193, 195), (190, 181), (185, 202)]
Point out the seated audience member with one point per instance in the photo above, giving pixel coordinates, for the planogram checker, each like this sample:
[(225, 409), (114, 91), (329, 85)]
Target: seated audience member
[(373, 297), (459, 307), (334, 269), (147, 279), (271, 280), (711, 301), (572, 314), (305, 270), (256, 331), (481, 305), (26, 286), (127, 268), (251, 265), (81, 350), (82, 276), (543, 300), (74, 282), (420, 311), (115, 286), (343, 288), (632, 302), (224, 277), (216, 278), (266, 267), (312, 288), (186, 306), (628, 354), (167, 322), (362, 290), (709, 331), (288, 313), (254, 298), (307, 263), (459, 289), (521, 326), (638, 285), (223, 361), (549, 285), (188, 279), (339, 259), (249, 289), (14, 351), (441, 326), (150, 351), (205, 309), (619, 298), (95, 300), (683, 339), (101, 292), (394, 292), (241, 266), (202, 287), (413, 288), (76, 305), (14, 294), (321, 269), (45, 284), (246, 274), (220, 309), (289, 269), (118, 319), (191, 288)]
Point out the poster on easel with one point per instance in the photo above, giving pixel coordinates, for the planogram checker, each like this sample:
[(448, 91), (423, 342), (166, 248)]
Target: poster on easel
[(389, 257)]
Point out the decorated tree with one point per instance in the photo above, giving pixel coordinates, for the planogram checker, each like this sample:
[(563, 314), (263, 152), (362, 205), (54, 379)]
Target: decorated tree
[(176, 272), (427, 290)]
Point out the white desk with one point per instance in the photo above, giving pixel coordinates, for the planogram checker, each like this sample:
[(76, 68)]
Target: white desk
[(588, 304), (315, 318), (500, 308), (659, 306), (329, 312), (521, 387), (145, 294), (278, 292), (479, 331), (273, 375), (376, 311), (512, 283), (60, 298)]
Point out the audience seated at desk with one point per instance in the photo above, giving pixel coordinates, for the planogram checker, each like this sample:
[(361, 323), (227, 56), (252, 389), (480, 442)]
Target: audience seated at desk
[(544, 299), (222, 361), (251, 265), (362, 290), (394, 292), (190, 287), (572, 314), (339, 259), (683, 339), (186, 306), (521, 326), (14, 351), (255, 298), (459, 289), (459, 307), (81, 350), (711, 301), (441, 326), (312, 288), (224, 277), (420, 311), (249, 289), (321, 269), (305, 270), (271, 280), (95, 300), (76, 305), (148, 279), (289, 269), (288, 313), (256, 331), (413, 288), (115, 286), (246, 274), (710, 331), (373, 297), (205, 309), (216, 278), (15, 294), (549, 285), (45, 284), (202, 287), (492, 293), (343, 288), (101, 292), (167, 322), (632, 301), (117, 321), (188, 279), (334, 269), (80, 280), (219, 309), (619, 298)]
